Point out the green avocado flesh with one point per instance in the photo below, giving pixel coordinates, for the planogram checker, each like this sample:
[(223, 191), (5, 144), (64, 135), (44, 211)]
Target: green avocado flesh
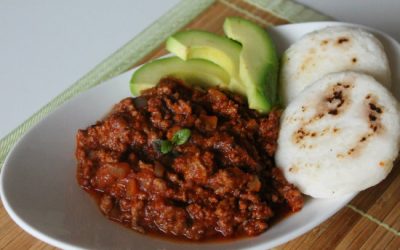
[(194, 72), (212, 47), (258, 67)]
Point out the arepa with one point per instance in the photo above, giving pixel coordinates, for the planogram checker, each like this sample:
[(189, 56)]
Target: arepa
[(340, 135), (329, 50)]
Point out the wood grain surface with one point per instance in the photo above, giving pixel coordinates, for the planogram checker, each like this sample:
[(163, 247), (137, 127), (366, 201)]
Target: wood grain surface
[(370, 221)]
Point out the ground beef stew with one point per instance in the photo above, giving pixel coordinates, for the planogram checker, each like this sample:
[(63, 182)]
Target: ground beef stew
[(221, 182)]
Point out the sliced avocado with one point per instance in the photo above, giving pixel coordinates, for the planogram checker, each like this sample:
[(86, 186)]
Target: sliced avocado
[(212, 47), (206, 45), (258, 66), (195, 71)]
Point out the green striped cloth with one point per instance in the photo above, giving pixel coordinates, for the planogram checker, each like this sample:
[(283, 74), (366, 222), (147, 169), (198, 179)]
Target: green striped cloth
[(144, 43)]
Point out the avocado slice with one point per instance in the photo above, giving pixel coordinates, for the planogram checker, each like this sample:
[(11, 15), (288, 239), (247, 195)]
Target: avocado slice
[(195, 71), (258, 68), (212, 47)]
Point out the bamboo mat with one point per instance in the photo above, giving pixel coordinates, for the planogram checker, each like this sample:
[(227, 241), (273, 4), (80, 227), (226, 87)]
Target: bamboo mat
[(370, 221)]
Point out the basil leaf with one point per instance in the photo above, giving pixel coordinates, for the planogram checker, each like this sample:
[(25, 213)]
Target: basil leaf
[(162, 146), (181, 136), (165, 146)]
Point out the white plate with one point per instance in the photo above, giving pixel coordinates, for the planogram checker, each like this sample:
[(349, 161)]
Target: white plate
[(40, 192)]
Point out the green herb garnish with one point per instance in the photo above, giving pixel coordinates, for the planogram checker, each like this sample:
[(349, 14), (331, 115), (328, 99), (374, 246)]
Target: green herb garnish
[(165, 146), (180, 137)]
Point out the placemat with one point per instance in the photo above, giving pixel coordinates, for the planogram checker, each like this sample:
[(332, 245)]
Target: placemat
[(370, 221)]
